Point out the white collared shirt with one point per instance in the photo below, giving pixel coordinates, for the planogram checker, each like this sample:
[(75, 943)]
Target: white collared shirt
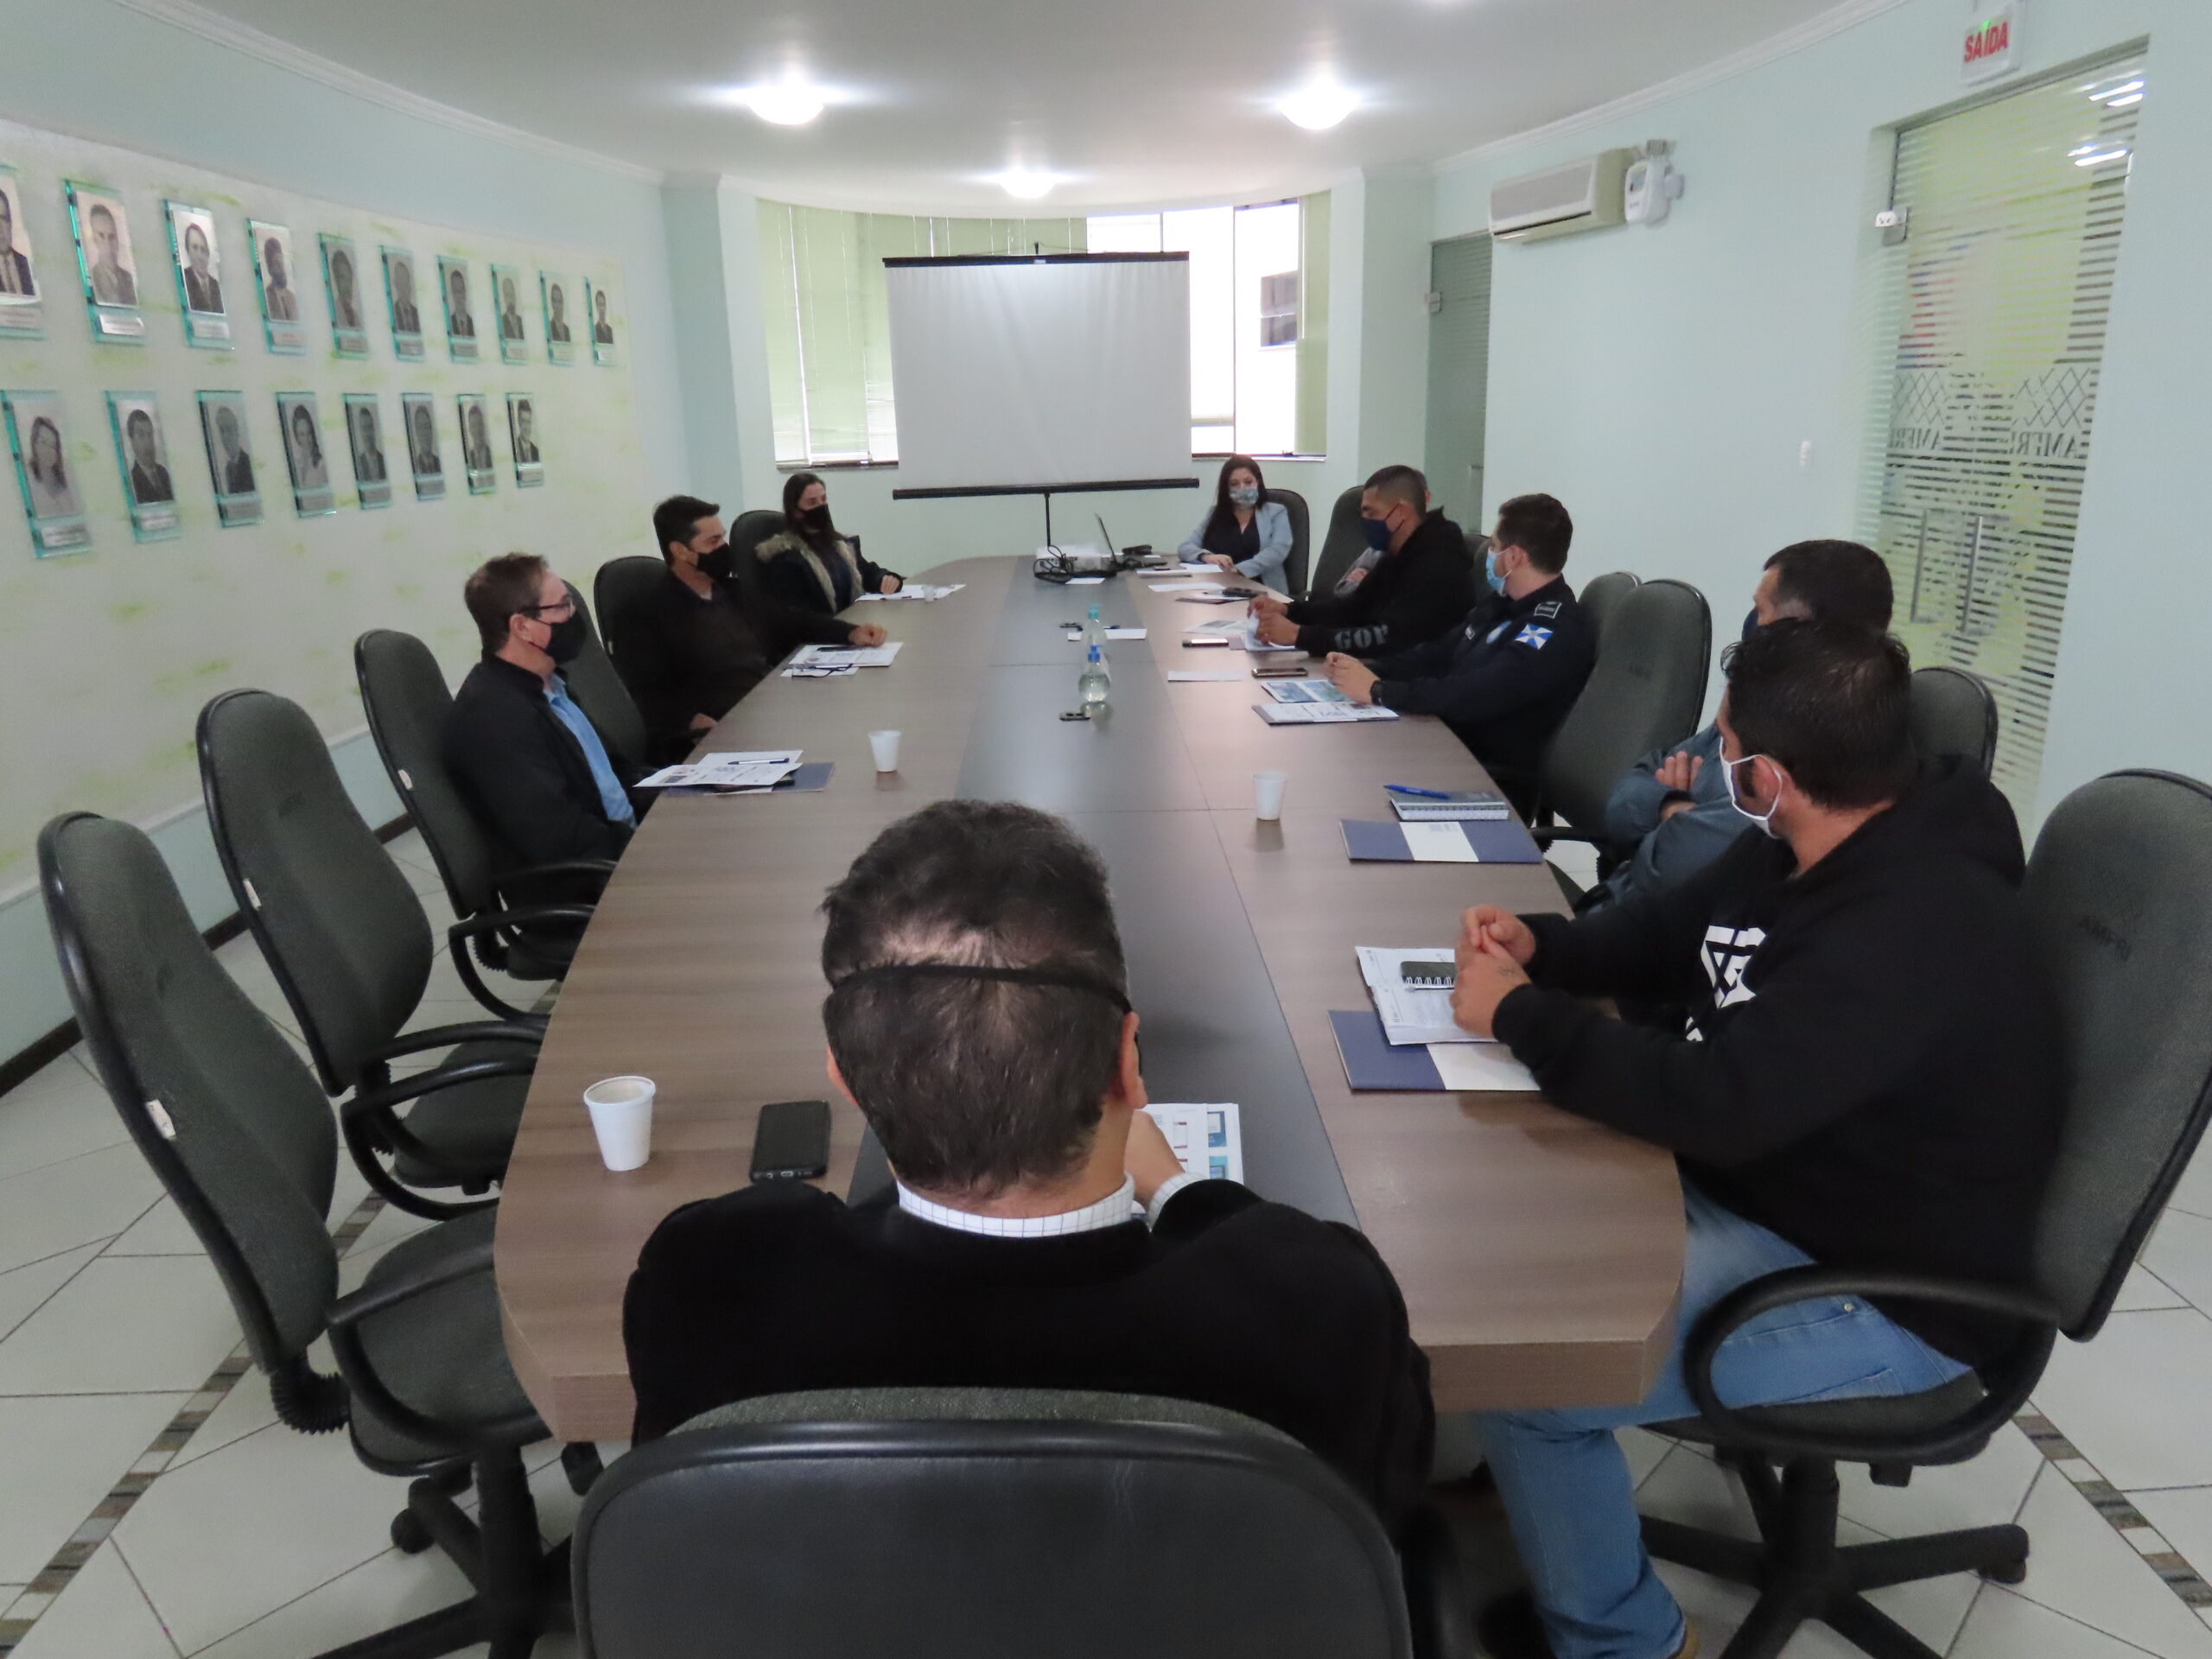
[(1117, 1207)]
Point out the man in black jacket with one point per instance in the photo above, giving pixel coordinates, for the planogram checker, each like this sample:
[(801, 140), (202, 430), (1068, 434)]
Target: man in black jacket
[(1505, 678), (1042, 1234), (539, 777), (1870, 1081), (706, 639), (1412, 584)]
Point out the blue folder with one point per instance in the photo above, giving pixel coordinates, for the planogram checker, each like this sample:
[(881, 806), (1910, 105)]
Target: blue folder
[(1503, 840), (1369, 1061)]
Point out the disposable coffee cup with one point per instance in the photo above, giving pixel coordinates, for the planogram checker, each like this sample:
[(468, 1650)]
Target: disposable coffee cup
[(622, 1117), (1267, 794), (885, 745)]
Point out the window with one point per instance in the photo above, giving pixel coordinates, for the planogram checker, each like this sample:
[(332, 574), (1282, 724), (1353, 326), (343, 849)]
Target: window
[(1259, 303)]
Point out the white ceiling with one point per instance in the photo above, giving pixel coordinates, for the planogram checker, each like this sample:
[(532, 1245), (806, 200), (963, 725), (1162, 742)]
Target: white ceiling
[(1132, 102)]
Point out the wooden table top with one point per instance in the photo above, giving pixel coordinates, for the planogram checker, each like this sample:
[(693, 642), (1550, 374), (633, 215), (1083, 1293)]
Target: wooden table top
[(1539, 1254)]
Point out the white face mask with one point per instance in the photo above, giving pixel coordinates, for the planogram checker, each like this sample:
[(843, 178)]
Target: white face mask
[(1764, 820)]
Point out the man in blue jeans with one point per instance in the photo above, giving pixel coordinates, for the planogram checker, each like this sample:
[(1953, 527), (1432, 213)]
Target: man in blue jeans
[(1869, 1080)]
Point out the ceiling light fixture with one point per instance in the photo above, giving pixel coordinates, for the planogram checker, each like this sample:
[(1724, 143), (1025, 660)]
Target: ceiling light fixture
[(1024, 184), (787, 104), (1320, 106)]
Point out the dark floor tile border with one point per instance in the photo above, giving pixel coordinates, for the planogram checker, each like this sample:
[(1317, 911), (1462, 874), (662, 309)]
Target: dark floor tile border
[(2124, 1518)]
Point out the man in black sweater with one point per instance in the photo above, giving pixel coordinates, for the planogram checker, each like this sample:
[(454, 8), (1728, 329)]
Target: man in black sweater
[(1869, 1081), (1042, 1234), (1412, 584), (1505, 678), (706, 639)]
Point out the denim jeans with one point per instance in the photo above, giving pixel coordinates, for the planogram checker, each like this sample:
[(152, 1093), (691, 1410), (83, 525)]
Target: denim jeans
[(1565, 1479)]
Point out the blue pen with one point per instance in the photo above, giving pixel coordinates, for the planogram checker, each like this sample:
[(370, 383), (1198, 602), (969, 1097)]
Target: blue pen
[(1407, 789)]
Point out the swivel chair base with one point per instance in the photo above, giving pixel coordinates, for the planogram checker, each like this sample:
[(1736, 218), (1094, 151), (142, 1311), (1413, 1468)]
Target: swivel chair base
[(1801, 1573)]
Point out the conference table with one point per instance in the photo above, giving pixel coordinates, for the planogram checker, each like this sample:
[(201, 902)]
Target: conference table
[(1539, 1254)]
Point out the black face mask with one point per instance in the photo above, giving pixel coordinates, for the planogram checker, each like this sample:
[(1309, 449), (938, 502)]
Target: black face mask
[(815, 518), (1751, 624), (565, 639), (721, 564)]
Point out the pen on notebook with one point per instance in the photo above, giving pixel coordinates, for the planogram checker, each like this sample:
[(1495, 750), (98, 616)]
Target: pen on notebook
[(1407, 789)]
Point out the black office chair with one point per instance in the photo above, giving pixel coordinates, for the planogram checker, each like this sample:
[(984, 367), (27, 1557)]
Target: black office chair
[(1340, 546), (2120, 892), (600, 692), (1603, 593), (619, 591), (955, 1524), (1953, 714), (1301, 530), (350, 949), (242, 1140), (503, 923), (746, 535)]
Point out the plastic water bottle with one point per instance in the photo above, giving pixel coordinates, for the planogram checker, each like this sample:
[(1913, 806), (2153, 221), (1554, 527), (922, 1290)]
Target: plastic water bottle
[(1094, 633), (1095, 681)]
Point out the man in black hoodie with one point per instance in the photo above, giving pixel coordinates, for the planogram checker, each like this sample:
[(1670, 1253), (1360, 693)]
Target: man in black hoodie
[(1869, 1081), (1412, 584)]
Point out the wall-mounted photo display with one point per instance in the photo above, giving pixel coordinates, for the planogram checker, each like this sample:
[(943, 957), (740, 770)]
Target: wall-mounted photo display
[(301, 425), (22, 313), (144, 454), (560, 293), (341, 283), (506, 301), (598, 306), (280, 300), (230, 458), (406, 309), (38, 436), (199, 276), (476, 444), (417, 413), (461, 316), (522, 434), (102, 228), (365, 437)]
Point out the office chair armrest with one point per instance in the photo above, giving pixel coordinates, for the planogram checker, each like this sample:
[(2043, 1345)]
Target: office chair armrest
[(601, 867), (351, 1309), (370, 1124), (2015, 1376), (530, 1030), (501, 921)]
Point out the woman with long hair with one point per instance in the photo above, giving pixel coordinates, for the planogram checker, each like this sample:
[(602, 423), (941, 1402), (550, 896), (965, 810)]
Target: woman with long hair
[(809, 564), (53, 496), (1244, 531)]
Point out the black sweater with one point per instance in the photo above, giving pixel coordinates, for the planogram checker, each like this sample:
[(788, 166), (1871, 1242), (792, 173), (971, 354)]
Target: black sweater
[(523, 773), (1414, 594), (1230, 1301), (1873, 1071)]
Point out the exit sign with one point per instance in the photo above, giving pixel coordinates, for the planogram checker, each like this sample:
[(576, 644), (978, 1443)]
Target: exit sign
[(1991, 43)]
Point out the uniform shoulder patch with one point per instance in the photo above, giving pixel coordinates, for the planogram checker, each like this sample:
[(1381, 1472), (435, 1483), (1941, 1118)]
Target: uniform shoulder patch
[(1548, 609), (1491, 637), (1533, 637)]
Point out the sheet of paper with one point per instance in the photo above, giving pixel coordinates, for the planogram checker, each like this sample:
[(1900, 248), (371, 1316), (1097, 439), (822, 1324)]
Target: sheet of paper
[(1410, 1013), (845, 656), (1320, 714), (1479, 1066), (1208, 1140), (1188, 674), (1111, 633), (1085, 581), (731, 769), (1191, 586), (921, 592), (1439, 843)]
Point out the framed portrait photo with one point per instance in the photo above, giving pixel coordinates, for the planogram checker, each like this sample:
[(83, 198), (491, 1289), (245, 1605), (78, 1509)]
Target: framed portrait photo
[(599, 308), (22, 312), (101, 224), (476, 444), (563, 315), (230, 458), (364, 437), (406, 304), (273, 274), (38, 437), (301, 426), (199, 276), (143, 452), (522, 435), (461, 314), (418, 414), (507, 292), (341, 285)]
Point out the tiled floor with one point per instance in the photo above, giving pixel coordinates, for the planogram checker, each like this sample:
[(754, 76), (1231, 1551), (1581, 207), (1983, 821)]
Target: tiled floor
[(256, 1542)]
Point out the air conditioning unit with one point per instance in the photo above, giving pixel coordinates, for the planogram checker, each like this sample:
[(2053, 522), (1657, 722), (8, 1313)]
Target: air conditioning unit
[(1583, 195)]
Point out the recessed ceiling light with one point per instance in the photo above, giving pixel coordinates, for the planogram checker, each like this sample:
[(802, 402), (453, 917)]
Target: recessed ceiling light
[(1024, 184), (1320, 106), (787, 104)]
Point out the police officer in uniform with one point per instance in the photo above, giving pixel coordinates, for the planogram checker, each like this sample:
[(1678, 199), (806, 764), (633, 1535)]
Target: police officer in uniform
[(1506, 677)]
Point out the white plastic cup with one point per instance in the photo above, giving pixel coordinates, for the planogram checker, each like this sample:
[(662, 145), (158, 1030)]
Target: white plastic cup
[(622, 1117), (1267, 794), (885, 745)]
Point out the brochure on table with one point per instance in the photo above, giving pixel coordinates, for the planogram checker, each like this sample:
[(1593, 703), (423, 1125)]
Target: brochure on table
[(731, 769), (1208, 1140), (1411, 1013)]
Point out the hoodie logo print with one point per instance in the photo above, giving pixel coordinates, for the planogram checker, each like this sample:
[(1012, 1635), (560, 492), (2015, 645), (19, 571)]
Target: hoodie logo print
[(1727, 953)]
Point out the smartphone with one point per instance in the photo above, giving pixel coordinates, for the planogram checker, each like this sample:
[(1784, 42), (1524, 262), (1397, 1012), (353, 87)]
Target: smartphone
[(1193, 641), (1076, 714), (791, 1141), (1264, 671), (1438, 974)]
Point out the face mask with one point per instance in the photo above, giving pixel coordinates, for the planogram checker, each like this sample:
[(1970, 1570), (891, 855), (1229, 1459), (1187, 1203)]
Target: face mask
[(564, 638), (815, 518), (721, 564), (1377, 532), (1243, 498), (1751, 624), (1489, 570), (1764, 820)]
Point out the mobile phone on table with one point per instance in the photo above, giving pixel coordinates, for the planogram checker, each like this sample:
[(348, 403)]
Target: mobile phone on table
[(1191, 641), (1266, 670), (1436, 974), (791, 1141)]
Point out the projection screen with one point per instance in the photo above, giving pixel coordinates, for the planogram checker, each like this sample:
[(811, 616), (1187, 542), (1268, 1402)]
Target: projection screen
[(1019, 374)]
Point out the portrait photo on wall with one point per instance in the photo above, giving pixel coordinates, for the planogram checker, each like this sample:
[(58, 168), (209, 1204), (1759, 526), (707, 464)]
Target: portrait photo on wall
[(599, 307), (522, 434), (22, 314), (198, 277), (230, 458), (38, 437), (406, 305), (143, 454), (297, 420), (476, 445), (365, 437), (104, 259), (274, 274), (417, 413), (461, 316), (341, 285), (507, 305), (563, 316)]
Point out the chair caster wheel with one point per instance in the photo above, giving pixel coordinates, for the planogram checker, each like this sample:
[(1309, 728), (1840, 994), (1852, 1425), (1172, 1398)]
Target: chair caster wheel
[(409, 1535), (2011, 1573)]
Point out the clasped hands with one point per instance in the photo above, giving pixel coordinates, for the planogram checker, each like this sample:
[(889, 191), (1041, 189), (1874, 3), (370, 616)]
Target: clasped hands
[(1269, 621), (1493, 954)]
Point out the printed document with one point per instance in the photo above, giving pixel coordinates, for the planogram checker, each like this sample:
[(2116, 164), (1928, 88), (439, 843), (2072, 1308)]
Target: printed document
[(1207, 1139), (734, 769), (1410, 1013)]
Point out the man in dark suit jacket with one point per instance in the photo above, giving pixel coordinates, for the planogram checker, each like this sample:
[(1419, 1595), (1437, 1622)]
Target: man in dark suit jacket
[(1040, 1233)]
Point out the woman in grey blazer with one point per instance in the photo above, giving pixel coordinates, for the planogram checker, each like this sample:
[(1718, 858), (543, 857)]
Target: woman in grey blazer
[(1244, 531)]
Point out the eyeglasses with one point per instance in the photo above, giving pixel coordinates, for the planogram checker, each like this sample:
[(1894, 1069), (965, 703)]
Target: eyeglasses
[(541, 611)]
